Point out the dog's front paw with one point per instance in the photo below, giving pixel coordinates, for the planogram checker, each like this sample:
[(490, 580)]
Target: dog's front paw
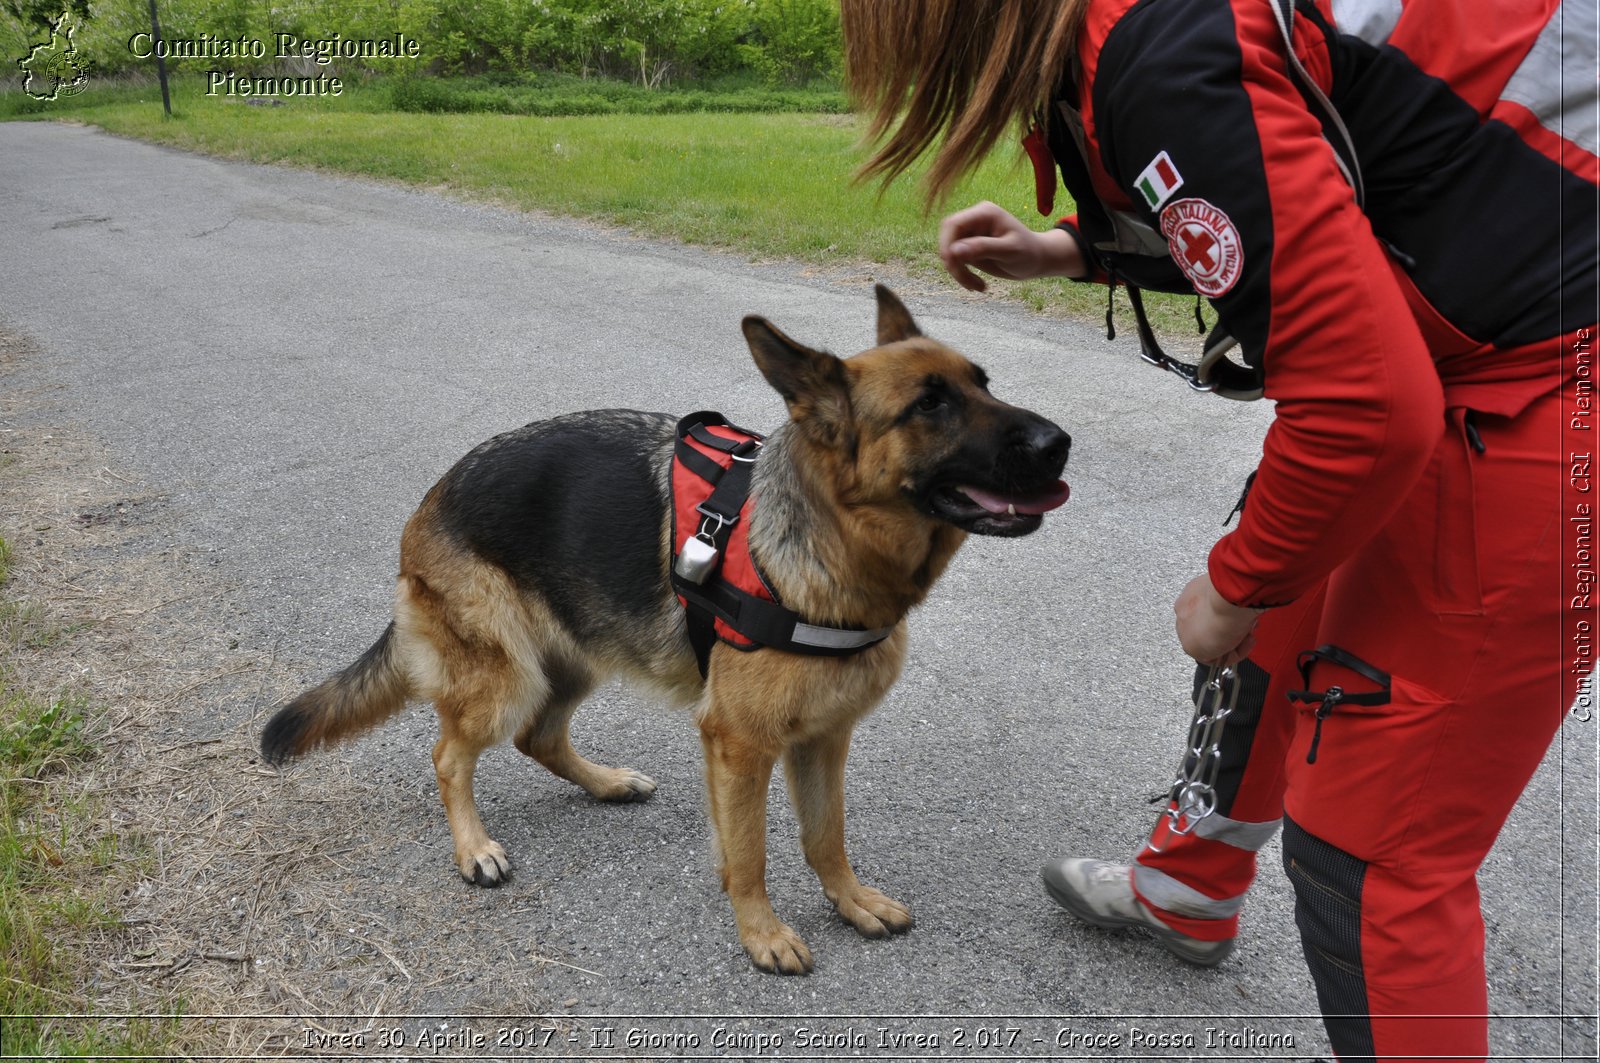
[(874, 914), (489, 866), (626, 784), (778, 950)]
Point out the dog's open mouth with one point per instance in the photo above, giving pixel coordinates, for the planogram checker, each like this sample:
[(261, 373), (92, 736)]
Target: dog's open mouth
[(987, 512)]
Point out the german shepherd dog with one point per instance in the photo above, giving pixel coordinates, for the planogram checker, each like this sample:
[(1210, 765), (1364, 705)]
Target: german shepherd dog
[(538, 566)]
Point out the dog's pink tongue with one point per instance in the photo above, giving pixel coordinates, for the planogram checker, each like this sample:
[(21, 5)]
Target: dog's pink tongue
[(1042, 502)]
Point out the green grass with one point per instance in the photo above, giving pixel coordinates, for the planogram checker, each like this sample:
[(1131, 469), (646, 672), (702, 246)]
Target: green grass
[(56, 860), (771, 185)]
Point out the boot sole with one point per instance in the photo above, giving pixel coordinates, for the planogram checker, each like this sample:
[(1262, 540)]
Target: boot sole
[(1208, 954)]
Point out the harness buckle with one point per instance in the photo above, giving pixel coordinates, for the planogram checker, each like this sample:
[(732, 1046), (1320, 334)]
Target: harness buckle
[(722, 519)]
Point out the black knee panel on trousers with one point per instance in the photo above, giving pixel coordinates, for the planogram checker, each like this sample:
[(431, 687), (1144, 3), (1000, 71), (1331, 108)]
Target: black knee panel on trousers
[(1327, 887)]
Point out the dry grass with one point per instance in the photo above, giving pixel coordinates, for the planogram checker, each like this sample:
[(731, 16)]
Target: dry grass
[(237, 891)]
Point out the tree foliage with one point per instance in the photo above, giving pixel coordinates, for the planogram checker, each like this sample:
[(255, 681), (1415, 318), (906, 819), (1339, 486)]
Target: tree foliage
[(654, 43), (37, 15)]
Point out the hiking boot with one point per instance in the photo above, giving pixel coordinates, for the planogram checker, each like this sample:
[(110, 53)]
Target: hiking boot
[(1101, 893)]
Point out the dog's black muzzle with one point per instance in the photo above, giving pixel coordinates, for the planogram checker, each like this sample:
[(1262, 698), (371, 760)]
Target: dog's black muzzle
[(1041, 444), (1006, 488)]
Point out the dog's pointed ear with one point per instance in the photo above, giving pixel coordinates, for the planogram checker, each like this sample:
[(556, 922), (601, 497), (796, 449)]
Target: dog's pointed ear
[(812, 383), (894, 320)]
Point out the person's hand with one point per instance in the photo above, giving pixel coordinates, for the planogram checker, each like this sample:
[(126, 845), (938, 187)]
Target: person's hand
[(1212, 629), (990, 238)]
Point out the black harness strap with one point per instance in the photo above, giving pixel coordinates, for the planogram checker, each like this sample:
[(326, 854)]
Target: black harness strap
[(732, 488), (692, 459), (701, 435), (770, 624), (700, 622)]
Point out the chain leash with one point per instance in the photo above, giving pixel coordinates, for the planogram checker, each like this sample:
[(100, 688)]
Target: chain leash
[(1194, 787)]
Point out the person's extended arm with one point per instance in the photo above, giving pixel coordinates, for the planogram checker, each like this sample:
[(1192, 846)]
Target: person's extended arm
[(989, 238)]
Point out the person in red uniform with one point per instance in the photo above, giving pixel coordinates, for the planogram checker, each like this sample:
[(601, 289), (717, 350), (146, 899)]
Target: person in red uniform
[(1397, 222)]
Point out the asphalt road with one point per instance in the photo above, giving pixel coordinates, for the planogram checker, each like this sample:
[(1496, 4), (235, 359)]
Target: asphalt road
[(293, 358)]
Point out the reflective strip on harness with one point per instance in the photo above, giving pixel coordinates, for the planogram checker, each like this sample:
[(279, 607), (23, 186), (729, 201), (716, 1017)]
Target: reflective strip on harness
[(837, 638)]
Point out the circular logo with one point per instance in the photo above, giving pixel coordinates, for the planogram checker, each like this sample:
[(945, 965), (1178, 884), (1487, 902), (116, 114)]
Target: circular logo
[(68, 75), (1205, 244)]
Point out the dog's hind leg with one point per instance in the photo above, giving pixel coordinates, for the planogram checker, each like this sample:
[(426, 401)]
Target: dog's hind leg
[(816, 786), (462, 737), (464, 640), (547, 738)]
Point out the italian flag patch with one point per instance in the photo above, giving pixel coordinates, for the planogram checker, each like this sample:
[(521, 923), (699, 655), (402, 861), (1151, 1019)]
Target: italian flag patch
[(1158, 181)]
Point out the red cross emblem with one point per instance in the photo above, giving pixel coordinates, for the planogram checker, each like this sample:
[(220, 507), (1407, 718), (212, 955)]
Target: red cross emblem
[(1205, 244), (1197, 245)]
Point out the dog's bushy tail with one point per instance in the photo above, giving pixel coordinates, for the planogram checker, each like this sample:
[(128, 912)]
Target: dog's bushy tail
[(362, 696)]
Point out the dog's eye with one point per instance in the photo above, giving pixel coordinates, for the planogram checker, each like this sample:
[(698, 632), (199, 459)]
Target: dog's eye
[(930, 402)]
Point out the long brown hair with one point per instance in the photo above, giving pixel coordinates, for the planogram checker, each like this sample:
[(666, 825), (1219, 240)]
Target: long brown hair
[(963, 71)]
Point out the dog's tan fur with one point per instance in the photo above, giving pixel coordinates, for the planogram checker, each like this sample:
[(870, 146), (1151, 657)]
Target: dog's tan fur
[(835, 532)]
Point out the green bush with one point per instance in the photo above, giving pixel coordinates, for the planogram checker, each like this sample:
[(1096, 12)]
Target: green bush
[(551, 95), (655, 42), (794, 41), (424, 96)]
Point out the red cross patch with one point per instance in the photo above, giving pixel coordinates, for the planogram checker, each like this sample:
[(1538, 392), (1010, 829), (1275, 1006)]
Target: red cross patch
[(1205, 244)]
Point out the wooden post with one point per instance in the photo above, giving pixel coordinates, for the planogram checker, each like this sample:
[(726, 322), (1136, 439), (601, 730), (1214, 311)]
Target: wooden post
[(161, 64)]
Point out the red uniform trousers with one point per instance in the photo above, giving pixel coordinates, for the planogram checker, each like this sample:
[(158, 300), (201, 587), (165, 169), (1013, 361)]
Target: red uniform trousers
[(1471, 598)]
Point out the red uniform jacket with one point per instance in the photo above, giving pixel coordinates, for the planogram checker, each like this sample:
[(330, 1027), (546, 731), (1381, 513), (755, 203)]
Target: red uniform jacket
[(1474, 253)]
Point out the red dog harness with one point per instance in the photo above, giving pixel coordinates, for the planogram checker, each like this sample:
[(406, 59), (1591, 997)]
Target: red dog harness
[(719, 584)]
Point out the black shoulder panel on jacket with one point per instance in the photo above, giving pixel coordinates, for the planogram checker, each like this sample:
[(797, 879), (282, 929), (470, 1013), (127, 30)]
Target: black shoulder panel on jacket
[(1490, 230), (1169, 80)]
